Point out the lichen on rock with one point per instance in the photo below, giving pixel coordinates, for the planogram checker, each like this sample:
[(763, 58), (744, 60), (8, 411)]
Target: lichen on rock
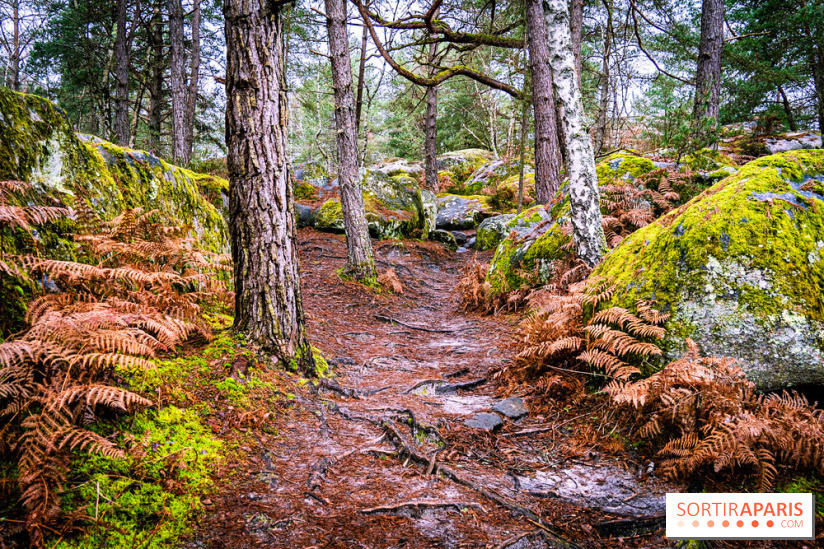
[(740, 268), (38, 146)]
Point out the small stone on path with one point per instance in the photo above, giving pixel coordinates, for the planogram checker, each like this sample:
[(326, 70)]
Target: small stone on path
[(513, 408), (485, 421)]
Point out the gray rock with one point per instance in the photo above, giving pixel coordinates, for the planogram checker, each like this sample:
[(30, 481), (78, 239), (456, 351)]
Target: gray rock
[(460, 237), (304, 214), (459, 213), (485, 422), (445, 237), (471, 242), (492, 231), (513, 408), (793, 141)]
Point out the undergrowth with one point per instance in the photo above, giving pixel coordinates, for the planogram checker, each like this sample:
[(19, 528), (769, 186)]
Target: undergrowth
[(137, 290), (701, 415)]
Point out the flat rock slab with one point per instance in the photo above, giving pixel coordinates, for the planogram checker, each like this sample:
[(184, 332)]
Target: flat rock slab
[(513, 408), (607, 487), (485, 422)]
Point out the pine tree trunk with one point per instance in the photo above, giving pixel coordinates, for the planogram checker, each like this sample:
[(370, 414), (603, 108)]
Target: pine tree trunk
[(13, 78), (361, 78), (547, 151), (708, 74), (576, 29), (360, 262), (155, 37), (268, 305), (178, 82), (585, 210), (431, 145), (121, 74), (601, 130), (194, 73)]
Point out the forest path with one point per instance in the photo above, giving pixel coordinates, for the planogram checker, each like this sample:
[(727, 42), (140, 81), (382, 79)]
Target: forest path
[(352, 464)]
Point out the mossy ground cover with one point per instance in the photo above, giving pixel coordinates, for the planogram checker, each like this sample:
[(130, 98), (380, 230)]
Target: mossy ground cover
[(206, 412)]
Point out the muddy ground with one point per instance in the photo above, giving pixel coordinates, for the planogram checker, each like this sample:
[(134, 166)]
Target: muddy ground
[(380, 456)]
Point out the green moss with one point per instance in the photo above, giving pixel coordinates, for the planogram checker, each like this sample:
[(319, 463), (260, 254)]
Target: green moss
[(305, 191), (321, 365), (151, 502), (805, 485), (37, 145), (756, 240), (708, 160), (619, 164), (329, 216)]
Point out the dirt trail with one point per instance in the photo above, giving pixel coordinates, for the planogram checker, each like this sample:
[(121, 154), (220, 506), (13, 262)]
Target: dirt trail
[(352, 465)]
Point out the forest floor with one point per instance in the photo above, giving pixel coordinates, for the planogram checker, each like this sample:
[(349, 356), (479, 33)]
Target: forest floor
[(379, 456)]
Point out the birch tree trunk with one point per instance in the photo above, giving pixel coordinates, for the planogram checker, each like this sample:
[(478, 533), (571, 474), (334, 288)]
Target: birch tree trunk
[(585, 210), (547, 150), (121, 75), (360, 262), (178, 82), (708, 74), (268, 304)]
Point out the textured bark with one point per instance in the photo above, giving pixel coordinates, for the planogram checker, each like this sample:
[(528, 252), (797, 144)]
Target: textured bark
[(360, 262), (708, 74), (361, 78), (431, 122), (585, 211), (547, 150), (194, 73), (268, 305), (13, 76), (177, 64), (155, 37), (601, 129), (576, 30), (121, 75), (522, 148)]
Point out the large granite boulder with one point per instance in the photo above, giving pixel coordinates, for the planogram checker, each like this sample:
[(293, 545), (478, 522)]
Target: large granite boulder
[(741, 270), (461, 212), (458, 166), (38, 146)]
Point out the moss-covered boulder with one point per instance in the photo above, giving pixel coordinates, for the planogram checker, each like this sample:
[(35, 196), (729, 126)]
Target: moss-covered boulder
[(495, 173), (527, 255), (461, 213), (395, 206), (312, 173), (458, 166), (492, 231), (792, 141), (709, 166), (741, 270), (37, 145)]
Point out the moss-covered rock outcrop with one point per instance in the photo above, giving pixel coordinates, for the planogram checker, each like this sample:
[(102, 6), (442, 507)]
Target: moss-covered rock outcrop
[(527, 256), (38, 146), (741, 269), (458, 166)]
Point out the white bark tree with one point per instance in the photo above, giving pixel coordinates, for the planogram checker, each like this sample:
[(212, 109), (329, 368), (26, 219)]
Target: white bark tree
[(585, 210)]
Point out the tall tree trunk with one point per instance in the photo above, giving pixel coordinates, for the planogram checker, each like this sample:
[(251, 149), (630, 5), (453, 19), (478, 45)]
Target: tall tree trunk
[(788, 110), (522, 147), (158, 66), (708, 74), (576, 29), (585, 210), (268, 304), (547, 151), (121, 75), (13, 78), (178, 81), (361, 78), (360, 261), (601, 131), (431, 122), (194, 74)]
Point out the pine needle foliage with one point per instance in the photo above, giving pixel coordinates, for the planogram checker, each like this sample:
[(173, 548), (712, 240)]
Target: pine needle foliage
[(138, 290)]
